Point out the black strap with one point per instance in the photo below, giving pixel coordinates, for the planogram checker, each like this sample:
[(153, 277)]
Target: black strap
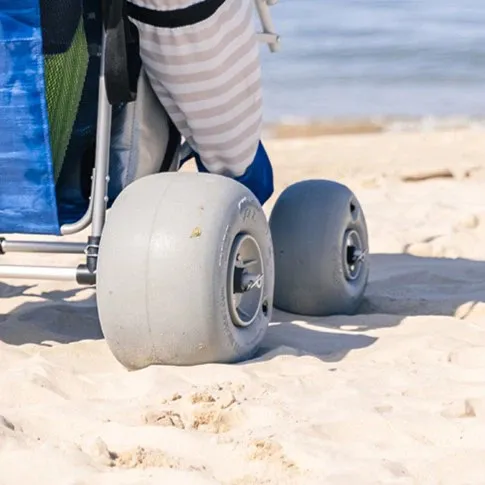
[(59, 21), (117, 75), (172, 19)]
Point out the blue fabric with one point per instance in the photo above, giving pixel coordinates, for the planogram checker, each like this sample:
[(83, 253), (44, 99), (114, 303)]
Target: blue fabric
[(258, 177), (27, 191)]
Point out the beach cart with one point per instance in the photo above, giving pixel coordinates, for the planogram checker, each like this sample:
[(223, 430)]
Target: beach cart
[(186, 266)]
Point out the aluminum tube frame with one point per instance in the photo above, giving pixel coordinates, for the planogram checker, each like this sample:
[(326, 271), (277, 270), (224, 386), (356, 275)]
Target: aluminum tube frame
[(51, 247), (95, 214), (268, 35), (81, 224), (101, 164), (38, 273), (98, 202)]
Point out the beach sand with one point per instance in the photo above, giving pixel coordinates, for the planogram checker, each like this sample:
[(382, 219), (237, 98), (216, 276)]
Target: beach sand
[(393, 395)]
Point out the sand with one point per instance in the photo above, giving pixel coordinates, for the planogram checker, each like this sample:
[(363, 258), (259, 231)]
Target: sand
[(393, 395)]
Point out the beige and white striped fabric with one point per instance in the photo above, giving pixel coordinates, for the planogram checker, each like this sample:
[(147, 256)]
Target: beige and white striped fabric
[(208, 78)]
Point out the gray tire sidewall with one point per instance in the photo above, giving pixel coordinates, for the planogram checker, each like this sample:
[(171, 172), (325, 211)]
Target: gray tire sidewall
[(309, 223), (171, 307), (246, 217)]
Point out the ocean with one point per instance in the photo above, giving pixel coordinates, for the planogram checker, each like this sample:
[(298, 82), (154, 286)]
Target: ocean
[(371, 59)]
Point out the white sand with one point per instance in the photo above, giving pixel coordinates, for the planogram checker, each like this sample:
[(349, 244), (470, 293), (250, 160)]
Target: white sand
[(394, 395)]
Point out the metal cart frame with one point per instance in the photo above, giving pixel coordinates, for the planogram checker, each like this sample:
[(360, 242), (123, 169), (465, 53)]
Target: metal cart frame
[(85, 274)]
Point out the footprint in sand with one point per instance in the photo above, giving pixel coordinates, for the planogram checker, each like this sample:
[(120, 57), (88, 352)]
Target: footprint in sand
[(213, 410), (164, 418), (271, 451), (144, 458), (138, 457)]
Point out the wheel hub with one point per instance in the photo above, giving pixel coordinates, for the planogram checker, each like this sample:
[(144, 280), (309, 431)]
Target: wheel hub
[(245, 280), (353, 255)]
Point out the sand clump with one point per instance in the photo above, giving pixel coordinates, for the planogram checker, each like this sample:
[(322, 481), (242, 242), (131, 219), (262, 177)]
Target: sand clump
[(213, 410)]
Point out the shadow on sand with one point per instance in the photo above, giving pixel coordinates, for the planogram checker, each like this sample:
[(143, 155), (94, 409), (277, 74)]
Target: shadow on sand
[(400, 285), (49, 316)]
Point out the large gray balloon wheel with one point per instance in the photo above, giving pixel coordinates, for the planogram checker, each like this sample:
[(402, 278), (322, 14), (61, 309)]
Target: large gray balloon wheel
[(321, 246), (185, 272)]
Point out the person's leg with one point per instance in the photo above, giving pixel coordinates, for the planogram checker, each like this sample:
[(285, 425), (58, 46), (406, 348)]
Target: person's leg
[(258, 177), (203, 63)]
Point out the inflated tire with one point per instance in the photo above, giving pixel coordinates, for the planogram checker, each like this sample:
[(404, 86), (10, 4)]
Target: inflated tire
[(318, 228), (166, 276)]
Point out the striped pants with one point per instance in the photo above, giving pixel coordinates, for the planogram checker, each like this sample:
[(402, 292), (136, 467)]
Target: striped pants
[(202, 60)]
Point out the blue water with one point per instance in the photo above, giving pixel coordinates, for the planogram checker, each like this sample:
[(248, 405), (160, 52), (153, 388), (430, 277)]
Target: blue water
[(371, 58)]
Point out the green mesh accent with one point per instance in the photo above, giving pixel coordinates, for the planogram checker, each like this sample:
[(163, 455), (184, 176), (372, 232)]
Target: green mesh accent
[(65, 75)]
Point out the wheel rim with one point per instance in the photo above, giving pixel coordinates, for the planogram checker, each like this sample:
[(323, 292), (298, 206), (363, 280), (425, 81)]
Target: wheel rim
[(353, 255), (245, 280)]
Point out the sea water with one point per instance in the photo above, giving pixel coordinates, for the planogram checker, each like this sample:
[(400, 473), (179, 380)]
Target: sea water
[(349, 59)]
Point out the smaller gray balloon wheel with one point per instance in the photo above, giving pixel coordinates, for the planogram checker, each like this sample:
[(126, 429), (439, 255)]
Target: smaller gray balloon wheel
[(321, 249), (185, 272)]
